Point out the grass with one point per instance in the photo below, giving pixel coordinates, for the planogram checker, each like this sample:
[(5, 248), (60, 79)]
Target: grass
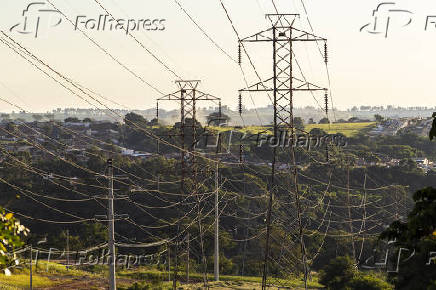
[(155, 276), (42, 277), (348, 129), (57, 276), (22, 281)]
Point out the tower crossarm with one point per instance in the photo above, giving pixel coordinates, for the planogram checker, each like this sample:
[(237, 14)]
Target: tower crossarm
[(284, 35), (267, 86), (171, 97)]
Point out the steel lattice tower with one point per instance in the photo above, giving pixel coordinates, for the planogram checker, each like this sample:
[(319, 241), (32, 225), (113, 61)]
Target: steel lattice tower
[(283, 85), (188, 96)]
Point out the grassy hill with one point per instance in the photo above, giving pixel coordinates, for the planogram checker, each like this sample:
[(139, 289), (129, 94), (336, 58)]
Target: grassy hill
[(348, 129)]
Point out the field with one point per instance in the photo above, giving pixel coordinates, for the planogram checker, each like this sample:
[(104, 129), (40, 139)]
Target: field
[(57, 277), (348, 129)]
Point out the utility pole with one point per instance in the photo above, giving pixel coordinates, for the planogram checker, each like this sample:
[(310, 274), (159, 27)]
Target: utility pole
[(68, 250), (176, 265), (110, 215), (157, 121), (217, 217), (350, 217), (187, 257), (283, 85), (169, 261), (31, 262)]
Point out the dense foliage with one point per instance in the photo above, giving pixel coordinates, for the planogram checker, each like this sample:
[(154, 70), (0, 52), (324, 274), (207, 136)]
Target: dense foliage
[(11, 233), (341, 274)]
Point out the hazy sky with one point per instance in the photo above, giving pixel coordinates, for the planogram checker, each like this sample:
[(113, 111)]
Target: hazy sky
[(366, 68)]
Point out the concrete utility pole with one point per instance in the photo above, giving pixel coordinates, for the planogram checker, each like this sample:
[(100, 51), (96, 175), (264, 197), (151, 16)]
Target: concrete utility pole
[(31, 278), (68, 249), (169, 262), (111, 238), (217, 217), (187, 258)]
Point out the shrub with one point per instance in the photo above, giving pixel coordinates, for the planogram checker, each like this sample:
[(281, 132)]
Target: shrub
[(367, 282), (338, 273)]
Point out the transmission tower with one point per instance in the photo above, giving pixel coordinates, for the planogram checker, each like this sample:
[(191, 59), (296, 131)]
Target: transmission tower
[(188, 96), (283, 84)]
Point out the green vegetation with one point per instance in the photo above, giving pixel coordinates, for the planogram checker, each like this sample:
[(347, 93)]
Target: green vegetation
[(432, 133), (156, 277), (243, 193), (348, 129), (419, 234), (10, 236), (138, 278), (341, 274), (21, 281)]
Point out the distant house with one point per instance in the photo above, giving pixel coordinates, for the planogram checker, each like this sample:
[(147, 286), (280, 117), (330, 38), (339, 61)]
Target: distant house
[(127, 152), (422, 161), (133, 153)]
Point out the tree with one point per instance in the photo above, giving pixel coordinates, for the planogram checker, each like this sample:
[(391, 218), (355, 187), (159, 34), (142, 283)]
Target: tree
[(5, 116), (10, 235), (72, 120), (432, 133), (134, 118), (299, 124), (408, 164), (311, 121), (378, 118), (341, 274), (417, 235), (324, 120), (317, 132), (37, 117), (338, 273), (215, 119), (87, 120), (154, 122), (49, 116)]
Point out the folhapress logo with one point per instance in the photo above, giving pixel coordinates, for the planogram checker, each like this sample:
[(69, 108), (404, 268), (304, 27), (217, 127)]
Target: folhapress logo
[(107, 23), (37, 17)]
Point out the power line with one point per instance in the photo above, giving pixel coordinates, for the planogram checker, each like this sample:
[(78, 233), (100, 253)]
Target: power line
[(105, 51), (140, 44), (204, 32)]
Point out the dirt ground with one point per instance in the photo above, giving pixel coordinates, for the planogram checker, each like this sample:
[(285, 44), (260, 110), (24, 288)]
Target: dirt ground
[(83, 283)]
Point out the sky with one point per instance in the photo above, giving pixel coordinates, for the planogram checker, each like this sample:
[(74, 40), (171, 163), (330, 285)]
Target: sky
[(365, 66)]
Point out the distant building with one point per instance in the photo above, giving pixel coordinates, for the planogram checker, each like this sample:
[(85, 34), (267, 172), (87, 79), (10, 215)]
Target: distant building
[(422, 161)]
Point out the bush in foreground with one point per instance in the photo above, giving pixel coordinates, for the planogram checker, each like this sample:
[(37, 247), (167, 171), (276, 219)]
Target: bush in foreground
[(341, 274)]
